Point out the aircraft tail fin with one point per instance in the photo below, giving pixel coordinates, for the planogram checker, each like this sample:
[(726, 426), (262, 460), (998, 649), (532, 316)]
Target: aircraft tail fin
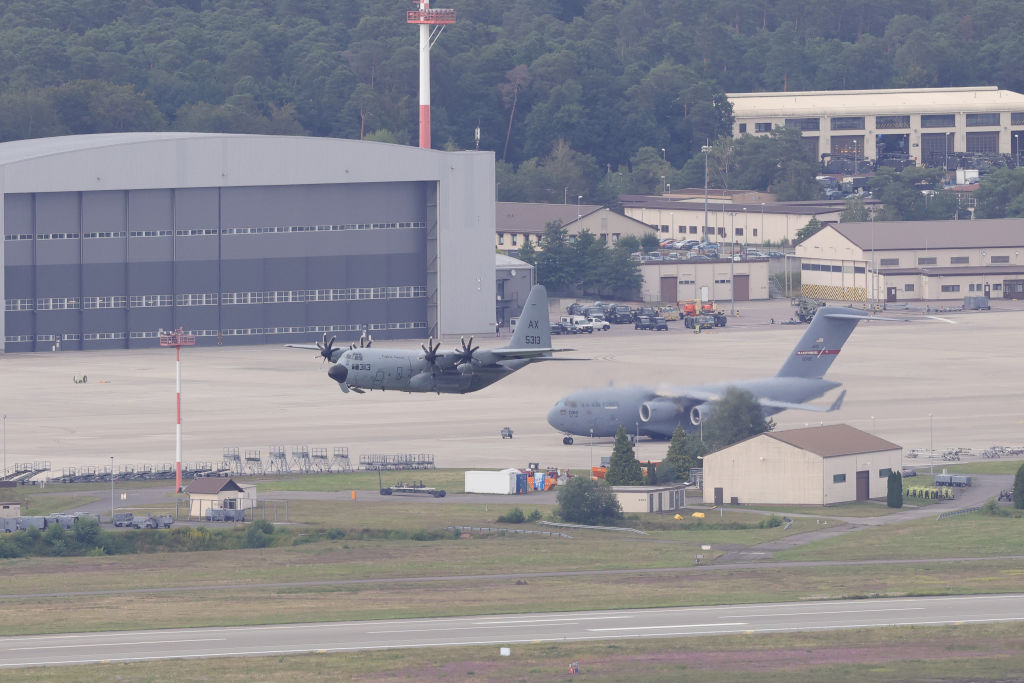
[(820, 344), (533, 331)]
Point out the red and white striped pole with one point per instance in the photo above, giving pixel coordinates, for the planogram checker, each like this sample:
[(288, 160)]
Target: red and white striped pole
[(427, 18), (177, 339)]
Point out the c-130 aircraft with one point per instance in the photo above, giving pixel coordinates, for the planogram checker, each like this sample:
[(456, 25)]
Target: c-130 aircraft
[(362, 366), (656, 411)]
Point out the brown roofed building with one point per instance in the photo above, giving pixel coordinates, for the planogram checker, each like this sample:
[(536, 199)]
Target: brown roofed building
[(212, 493), (515, 222), (812, 466)]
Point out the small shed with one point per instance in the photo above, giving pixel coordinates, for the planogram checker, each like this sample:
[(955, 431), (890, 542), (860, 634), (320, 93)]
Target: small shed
[(10, 509), (208, 493), (651, 498)]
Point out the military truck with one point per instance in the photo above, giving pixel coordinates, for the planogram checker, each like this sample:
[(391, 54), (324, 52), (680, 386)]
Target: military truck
[(806, 307)]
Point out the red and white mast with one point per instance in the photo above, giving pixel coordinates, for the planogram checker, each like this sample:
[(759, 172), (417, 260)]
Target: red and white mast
[(177, 339), (432, 22)]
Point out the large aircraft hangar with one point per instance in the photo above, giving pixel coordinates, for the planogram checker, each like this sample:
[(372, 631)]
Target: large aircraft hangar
[(240, 239)]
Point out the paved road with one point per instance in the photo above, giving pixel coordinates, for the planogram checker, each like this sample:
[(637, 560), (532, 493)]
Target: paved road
[(504, 629)]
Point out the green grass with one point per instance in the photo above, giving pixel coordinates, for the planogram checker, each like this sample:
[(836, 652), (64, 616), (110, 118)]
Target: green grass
[(984, 467), (35, 504), (986, 652), (452, 481)]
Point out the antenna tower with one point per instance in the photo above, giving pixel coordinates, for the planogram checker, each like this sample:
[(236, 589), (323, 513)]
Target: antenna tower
[(432, 22)]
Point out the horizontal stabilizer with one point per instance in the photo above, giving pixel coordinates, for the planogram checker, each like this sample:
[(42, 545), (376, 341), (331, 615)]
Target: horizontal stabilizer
[(786, 405)]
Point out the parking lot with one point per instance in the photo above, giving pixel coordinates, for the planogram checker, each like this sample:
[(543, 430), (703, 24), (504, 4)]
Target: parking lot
[(917, 383)]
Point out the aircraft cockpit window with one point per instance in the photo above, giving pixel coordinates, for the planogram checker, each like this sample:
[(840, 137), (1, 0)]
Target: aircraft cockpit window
[(356, 356), (571, 404)]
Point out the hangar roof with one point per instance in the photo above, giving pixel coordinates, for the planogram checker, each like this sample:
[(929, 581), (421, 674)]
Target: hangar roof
[(523, 217), (212, 485), (894, 235), (833, 440), (858, 102)]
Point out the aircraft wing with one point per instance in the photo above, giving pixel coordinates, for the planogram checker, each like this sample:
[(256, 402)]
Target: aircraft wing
[(532, 353), (697, 396), (311, 347)]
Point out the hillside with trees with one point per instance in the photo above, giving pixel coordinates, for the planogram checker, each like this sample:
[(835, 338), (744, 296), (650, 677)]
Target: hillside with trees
[(578, 97)]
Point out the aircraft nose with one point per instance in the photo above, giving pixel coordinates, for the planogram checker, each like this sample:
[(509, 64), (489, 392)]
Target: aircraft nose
[(338, 372), (555, 415)]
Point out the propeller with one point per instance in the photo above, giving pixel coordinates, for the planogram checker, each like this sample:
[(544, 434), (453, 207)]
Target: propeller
[(365, 341), (430, 351), (326, 349), (465, 354)]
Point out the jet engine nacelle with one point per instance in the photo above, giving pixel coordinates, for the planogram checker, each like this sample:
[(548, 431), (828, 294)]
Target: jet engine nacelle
[(658, 410), (699, 413), (339, 373)]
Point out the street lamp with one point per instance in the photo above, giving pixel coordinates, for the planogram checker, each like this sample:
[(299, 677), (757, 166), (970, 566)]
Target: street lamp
[(746, 229), (706, 149), (663, 154), (1016, 141), (945, 147), (111, 490), (732, 265), (636, 447), (4, 473), (663, 184), (565, 196), (578, 214), (931, 445), (591, 451)]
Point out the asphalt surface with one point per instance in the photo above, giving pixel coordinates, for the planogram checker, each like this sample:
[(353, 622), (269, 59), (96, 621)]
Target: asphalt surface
[(953, 381), (504, 629)]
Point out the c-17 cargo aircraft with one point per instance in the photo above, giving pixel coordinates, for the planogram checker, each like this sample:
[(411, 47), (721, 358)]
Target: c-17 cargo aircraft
[(656, 411), (362, 366)]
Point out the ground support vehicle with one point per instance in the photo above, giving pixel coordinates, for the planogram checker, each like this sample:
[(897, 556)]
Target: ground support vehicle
[(559, 328), (699, 322), (506, 432), (413, 488), (123, 519), (599, 323), (659, 324), (643, 322), (577, 323), (806, 308), (620, 315)]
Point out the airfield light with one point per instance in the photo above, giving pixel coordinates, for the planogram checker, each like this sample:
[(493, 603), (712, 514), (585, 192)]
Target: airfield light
[(177, 339)]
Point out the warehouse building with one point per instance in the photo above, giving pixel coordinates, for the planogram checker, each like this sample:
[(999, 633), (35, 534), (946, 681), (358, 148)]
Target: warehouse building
[(927, 124), (813, 466), (914, 260), (517, 222), (240, 239)]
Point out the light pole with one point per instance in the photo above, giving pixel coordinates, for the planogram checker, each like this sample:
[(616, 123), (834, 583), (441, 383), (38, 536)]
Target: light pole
[(565, 196), (591, 451), (4, 473), (111, 490), (579, 215), (662, 184), (1016, 141), (663, 154), (732, 265), (746, 229), (636, 447), (931, 445), (945, 163), (706, 149)]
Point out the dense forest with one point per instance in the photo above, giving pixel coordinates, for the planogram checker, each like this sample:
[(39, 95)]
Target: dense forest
[(591, 97)]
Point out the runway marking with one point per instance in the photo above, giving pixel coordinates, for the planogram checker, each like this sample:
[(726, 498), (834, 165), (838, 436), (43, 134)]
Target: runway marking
[(844, 611), (139, 642), (550, 620), (649, 628)]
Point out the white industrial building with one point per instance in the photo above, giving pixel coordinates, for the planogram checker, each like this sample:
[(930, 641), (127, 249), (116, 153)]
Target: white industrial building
[(719, 280), (914, 260), (240, 239), (927, 124), (813, 466)]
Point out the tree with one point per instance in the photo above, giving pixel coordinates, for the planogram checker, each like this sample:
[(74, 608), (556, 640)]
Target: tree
[(679, 457), (649, 242), (1001, 194), (734, 417), (894, 495), (624, 469), (628, 243), (585, 501), (555, 262), (1018, 489), (813, 226), (527, 251), (855, 211)]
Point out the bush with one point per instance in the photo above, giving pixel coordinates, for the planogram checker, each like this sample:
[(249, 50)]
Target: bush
[(584, 501), (513, 516), (534, 516), (994, 509), (773, 521)]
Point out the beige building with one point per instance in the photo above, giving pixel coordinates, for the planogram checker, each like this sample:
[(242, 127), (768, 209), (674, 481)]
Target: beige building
[(914, 260), (721, 280), (10, 509), (516, 222), (926, 123), (212, 493), (813, 466), (650, 498), (743, 221)]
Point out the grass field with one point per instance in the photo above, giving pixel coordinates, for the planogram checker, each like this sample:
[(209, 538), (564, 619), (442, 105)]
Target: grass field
[(980, 653)]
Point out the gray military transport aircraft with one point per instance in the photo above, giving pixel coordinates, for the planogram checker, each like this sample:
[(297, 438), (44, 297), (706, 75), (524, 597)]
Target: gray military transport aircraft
[(362, 366), (655, 411)]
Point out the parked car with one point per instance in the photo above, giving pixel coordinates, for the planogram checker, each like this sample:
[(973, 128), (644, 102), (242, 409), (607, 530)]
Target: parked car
[(559, 328), (643, 322), (599, 323), (620, 314), (659, 323)]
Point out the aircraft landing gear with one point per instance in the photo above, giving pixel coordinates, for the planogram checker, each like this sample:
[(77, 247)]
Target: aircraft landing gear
[(567, 440)]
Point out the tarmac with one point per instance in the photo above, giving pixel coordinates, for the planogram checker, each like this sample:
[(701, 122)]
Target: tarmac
[(947, 380)]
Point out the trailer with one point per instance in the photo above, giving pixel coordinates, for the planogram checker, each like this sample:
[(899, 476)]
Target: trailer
[(412, 488)]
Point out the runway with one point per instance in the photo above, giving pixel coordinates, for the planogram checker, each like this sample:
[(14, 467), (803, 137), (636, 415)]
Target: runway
[(504, 629), (954, 384)]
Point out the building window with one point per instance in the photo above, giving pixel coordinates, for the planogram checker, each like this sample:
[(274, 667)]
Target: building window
[(959, 260), (755, 232), (858, 269), (889, 262), (892, 122), (721, 232), (848, 123), (938, 120), (927, 260), (983, 143), (762, 127), (970, 287), (884, 472), (501, 238), (693, 229), (975, 120), (739, 232), (664, 228), (838, 478), (1017, 118), (950, 288), (743, 128), (1000, 259), (515, 239), (996, 288), (804, 124), (909, 287)]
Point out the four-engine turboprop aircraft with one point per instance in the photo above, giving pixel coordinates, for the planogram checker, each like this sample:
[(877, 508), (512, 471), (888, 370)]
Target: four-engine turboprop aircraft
[(655, 411), (363, 366)]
